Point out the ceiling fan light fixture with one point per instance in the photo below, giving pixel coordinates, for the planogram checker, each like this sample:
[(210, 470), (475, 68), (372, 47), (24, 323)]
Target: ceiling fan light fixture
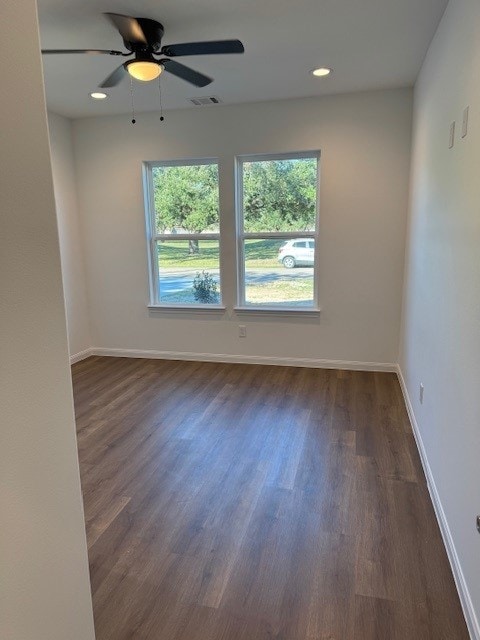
[(321, 72), (143, 39), (144, 70)]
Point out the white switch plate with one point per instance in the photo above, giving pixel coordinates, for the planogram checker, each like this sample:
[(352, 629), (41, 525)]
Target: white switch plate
[(422, 389), (465, 123), (242, 331), (452, 135)]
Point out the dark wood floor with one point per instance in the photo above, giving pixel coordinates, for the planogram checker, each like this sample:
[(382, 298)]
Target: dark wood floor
[(238, 502)]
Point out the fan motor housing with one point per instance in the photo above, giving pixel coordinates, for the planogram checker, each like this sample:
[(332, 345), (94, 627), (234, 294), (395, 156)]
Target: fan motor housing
[(153, 31)]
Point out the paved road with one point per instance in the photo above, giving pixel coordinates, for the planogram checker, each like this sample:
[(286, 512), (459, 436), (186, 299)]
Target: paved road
[(176, 281)]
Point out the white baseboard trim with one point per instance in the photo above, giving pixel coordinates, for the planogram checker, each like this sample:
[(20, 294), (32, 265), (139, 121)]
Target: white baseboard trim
[(245, 359), (464, 594), (81, 355)]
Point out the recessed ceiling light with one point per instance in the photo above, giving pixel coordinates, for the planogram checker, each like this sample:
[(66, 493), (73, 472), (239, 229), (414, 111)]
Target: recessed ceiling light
[(321, 72), (98, 95)]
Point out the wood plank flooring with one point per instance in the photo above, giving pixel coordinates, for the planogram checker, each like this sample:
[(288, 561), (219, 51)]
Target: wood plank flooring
[(241, 502)]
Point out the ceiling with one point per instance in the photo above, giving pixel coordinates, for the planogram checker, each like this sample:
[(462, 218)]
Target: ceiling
[(370, 44)]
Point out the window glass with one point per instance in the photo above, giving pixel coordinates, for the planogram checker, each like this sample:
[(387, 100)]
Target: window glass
[(189, 271), (186, 198), (280, 194), (184, 220), (278, 198), (276, 274)]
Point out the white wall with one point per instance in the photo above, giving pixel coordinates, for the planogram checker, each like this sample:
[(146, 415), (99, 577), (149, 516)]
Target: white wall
[(365, 144), (44, 585), (69, 228), (441, 318)]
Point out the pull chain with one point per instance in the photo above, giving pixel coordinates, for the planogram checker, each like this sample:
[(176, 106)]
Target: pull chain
[(133, 102), (160, 97)]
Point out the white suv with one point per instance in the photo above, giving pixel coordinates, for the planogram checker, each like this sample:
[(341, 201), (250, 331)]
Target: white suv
[(299, 252)]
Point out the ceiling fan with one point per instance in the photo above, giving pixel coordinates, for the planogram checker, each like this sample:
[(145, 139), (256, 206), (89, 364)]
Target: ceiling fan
[(143, 38)]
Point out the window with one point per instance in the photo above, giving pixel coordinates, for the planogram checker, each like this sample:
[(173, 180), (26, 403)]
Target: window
[(183, 228), (276, 232), (277, 226)]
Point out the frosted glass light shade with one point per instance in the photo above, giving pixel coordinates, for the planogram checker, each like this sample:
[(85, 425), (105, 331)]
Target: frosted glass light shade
[(144, 70)]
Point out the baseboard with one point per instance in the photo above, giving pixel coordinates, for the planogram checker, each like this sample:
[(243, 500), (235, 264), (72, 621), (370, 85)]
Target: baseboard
[(245, 359), (464, 595), (81, 355)]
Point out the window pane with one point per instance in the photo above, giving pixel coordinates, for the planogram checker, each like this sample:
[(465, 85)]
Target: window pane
[(278, 273), (186, 199), (280, 195), (189, 271)]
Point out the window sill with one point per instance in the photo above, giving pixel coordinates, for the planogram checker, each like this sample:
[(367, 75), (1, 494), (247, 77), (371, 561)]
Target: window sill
[(277, 311), (192, 308)]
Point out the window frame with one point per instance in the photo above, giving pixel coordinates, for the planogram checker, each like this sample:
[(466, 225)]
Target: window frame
[(242, 306), (153, 237)]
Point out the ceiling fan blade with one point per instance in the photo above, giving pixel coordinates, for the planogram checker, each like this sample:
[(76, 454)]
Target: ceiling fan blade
[(185, 73), (203, 48), (114, 78), (108, 52), (128, 27)]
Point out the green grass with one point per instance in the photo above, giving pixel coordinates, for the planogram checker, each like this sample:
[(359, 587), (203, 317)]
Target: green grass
[(175, 255), (262, 253), (294, 292)]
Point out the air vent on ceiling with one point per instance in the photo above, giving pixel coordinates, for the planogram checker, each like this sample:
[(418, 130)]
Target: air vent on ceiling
[(207, 100)]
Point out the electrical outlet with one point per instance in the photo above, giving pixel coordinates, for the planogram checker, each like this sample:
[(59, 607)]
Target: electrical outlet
[(420, 395), (242, 331)]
